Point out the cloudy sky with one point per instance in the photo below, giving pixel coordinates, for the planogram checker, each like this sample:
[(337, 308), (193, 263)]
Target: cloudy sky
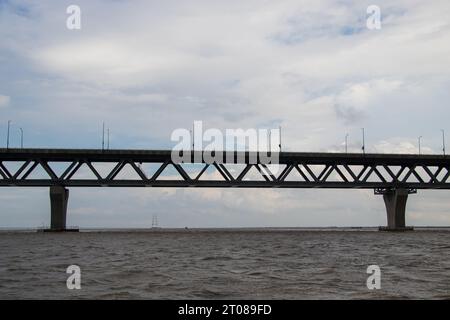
[(147, 68)]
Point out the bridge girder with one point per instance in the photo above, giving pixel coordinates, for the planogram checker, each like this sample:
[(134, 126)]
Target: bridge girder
[(296, 170)]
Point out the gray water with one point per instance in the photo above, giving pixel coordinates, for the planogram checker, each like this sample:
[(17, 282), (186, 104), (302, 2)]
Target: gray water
[(225, 264)]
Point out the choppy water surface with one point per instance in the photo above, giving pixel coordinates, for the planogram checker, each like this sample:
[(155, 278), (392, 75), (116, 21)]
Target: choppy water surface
[(225, 264)]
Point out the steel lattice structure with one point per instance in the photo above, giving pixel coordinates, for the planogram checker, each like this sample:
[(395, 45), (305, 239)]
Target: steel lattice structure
[(297, 170)]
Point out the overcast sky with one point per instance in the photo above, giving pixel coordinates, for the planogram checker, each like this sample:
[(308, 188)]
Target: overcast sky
[(147, 68)]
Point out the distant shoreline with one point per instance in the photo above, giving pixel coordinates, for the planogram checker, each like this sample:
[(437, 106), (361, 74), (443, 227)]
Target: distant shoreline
[(236, 229)]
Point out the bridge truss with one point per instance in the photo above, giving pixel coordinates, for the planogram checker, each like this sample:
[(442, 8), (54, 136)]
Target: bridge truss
[(155, 168), (392, 175)]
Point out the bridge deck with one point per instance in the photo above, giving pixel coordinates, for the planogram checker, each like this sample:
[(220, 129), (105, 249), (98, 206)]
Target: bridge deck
[(162, 155)]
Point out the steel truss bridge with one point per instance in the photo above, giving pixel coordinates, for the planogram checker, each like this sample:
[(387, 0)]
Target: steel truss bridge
[(392, 175)]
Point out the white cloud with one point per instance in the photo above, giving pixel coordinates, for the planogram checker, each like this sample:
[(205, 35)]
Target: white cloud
[(4, 101), (398, 145), (356, 98)]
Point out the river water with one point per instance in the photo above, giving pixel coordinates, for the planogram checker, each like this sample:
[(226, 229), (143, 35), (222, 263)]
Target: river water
[(225, 264)]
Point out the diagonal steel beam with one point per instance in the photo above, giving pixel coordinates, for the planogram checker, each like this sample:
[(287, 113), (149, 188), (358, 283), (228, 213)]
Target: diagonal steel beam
[(408, 174), (285, 172), (378, 173), (244, 172), (49, 170), (350, 171), (433, 179), (438, 171), (391, 173), (74, 170), (68, 169), (297, 167), (336, 168), (117, 169), (3, 174), (202, 171), (324, 177), (261, 172), (266, 168), (399, 173), (225, 170), (221, 172), (138, 170), (417, 175), (30, 170), (367, 176), (311, 173), (325, 170), (21, 169), (360, 174), (5, 170), (160, 170), (444, 179), (181, 171), (94, 171)]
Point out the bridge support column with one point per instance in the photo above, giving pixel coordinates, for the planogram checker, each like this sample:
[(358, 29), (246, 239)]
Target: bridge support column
[(395, 202), (59, 197)]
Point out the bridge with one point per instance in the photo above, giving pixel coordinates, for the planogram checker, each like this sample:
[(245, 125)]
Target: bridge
[(394, 176)]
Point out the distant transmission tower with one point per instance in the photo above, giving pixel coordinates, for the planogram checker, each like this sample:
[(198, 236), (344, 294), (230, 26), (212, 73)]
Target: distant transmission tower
[(155, 221)]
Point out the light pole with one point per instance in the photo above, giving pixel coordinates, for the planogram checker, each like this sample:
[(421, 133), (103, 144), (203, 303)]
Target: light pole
[(21, 138), (107, 144), (363, 142), (103, 136), (7, 135), (280, 140), (420, 138), (346, 143), (193, 136), (443, 141)]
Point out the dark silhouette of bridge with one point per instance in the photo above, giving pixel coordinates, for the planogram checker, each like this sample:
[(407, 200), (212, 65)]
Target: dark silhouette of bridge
[(394, 176)]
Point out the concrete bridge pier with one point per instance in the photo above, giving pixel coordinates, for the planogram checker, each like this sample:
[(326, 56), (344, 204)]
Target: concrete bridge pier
[(59, 197), (395, 202)]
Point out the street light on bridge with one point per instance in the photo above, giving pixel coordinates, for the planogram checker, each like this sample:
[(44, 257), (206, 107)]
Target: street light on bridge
[(420, 138), (7, 135), (443, 141), (103, 136), (279, 145), (346, 143), (21, 137), (363, 142)]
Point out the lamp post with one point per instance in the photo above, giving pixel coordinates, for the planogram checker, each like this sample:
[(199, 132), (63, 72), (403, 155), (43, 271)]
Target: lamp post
[(280, 140), (443, 141), (193, 136), (363, 141), (7, 135), (103, 136), (346, 143), (420, 138), (21, 138)]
